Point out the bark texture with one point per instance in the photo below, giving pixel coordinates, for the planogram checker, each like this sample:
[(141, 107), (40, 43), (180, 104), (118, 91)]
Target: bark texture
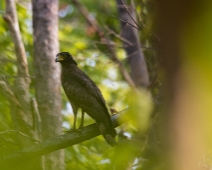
[(22, 121), (47, 72), (137, 63), (18, 94)]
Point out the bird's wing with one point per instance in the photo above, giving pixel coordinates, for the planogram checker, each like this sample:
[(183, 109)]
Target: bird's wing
[(81, 90), (90, 87)]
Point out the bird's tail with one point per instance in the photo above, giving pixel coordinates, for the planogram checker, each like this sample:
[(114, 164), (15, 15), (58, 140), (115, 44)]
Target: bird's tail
[(108, 132)]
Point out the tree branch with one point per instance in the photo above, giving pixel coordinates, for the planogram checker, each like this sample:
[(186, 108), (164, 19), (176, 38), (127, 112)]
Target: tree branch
[(118, 36), (14, 103), (56, 143), (18, 114), (125, 22), (15, 131), (130, 14), (11, 18), (21, 84), (93, 22)]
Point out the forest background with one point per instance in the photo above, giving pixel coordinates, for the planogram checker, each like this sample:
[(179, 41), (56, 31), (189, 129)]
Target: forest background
[(152, 61)]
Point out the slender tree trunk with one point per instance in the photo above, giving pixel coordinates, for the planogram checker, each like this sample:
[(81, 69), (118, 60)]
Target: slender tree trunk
[(21, 113), (47, 72), (137, 63), (19, 96)]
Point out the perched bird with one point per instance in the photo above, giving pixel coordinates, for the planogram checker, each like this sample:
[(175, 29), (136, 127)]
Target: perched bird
[(83, 93)]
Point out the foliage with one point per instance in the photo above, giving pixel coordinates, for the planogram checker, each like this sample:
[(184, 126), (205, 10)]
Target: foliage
[(77, 37)]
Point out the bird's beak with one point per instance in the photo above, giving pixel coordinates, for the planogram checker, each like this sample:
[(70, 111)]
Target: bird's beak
[(56, 59), (59, 58)]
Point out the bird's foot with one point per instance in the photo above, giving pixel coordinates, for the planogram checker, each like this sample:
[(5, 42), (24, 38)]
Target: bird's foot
[(74, 129), (81, 126)]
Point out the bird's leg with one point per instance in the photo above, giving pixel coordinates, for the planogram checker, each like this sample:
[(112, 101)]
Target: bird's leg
[(75, 110), (82, 120), (75, 120)]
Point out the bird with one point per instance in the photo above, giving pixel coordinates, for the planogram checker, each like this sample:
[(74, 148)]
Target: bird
[(83, 93)]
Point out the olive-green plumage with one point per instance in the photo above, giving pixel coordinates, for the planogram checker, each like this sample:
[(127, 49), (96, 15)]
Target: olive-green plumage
[(83, 93)]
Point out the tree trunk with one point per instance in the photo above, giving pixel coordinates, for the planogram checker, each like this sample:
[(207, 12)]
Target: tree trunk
[(47, 72), (184, 57), (19, 96), (137, 63)]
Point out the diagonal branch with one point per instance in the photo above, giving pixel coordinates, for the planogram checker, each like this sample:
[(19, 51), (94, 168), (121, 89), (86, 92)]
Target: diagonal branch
[(56, 143), (125, 22), (118, 36), (22, 83), (14, 103), (15, 131), (11, 18), (130, 14), (20, 97), (94, 23)]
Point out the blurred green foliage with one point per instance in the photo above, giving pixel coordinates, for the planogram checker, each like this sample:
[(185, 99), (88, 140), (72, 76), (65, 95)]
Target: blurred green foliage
[(78, 38)]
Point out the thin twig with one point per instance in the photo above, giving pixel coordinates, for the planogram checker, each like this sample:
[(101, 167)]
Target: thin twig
[(4, 72), (155, 36), (137, 14), (9, 131), (6, 90), (133, 53), (125, 22), (8, 141), (152, 82), (119, 36), (32, 77), (130, 14)]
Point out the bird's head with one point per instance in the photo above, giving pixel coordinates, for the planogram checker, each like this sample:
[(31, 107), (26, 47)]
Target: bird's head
[(65, 57)]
